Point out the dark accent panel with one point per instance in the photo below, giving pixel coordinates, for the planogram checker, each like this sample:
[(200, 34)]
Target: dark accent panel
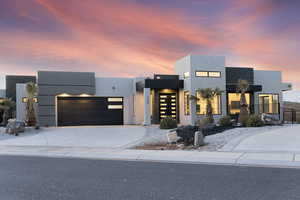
[(76, 111), (12, 81), (166, 77), (252, 88), (66, 78), (163, 84), (234, 74)]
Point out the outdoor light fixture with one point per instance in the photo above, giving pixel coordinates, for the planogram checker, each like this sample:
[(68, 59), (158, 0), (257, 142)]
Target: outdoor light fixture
[(84, 95), (63, 95), (25, 100)]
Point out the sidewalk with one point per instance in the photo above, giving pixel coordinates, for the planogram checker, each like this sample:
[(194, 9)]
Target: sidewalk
[(193, 157)]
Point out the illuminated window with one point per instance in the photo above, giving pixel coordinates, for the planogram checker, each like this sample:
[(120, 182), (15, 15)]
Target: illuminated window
[(214, 74), (234, 102), (201, 105), (208, 74), (202, 74), (269, 103), (115, 99), (113, 107), (186, 74), (186, 103)]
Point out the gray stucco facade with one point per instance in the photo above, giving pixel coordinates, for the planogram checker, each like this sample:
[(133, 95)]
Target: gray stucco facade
[(51, 84)]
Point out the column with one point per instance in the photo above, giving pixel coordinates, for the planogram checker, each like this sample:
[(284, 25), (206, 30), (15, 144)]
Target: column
[(147, 113)]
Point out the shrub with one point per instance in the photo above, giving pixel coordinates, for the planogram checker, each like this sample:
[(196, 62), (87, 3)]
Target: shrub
[(168, 123), (225, 121), (254, 121), (187, 134), (203, 123)]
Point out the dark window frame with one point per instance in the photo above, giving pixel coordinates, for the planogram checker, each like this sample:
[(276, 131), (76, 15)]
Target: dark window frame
[(278, 104)]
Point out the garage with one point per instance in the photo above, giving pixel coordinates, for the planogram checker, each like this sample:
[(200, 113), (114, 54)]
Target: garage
[(80, 111)]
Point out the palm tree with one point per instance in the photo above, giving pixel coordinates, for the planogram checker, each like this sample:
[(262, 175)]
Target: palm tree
[(242, 88), (32, 90), (6, 105), (208, 94)]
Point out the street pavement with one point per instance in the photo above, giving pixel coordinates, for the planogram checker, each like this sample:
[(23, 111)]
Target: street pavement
[(40, 178)]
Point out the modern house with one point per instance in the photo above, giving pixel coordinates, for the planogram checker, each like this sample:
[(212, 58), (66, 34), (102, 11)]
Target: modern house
[(81, 98)]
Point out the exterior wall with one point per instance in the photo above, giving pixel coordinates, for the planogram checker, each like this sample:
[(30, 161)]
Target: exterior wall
[(52, 84), (11, 82), (2, 93), (271, 82), (118, 87), (20, 106), (181, 66), (191, 64)]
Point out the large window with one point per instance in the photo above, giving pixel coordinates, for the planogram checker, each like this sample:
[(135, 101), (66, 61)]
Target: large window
[(208, 74), (268, 103), (186, 103), (234, 102), (202, 103)]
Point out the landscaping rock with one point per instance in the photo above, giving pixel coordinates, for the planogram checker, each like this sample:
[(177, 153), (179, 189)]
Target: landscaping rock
[(198, 139), (15, 127), (172, 137), (270, 119)]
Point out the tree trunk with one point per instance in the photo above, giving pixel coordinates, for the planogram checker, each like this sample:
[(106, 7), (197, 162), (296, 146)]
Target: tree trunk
[(244, 112), (209, 112)]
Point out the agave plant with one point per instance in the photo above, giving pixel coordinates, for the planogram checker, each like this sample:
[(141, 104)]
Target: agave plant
[(208, 94), (6, 105), (32, 90), (242, 88)]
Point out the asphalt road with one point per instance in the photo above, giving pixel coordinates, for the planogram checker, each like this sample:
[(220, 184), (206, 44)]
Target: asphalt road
[(34, 178)]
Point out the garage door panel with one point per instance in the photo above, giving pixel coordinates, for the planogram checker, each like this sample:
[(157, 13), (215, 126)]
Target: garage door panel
[(76, 111)]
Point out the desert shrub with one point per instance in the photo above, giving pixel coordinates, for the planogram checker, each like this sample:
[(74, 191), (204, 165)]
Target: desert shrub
[(225, 121), (203, 123), (168, 123), (186, 134), (254, 121)]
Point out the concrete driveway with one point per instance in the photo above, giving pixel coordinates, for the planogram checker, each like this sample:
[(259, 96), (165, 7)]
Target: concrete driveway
[(282, 139), (102, 136)]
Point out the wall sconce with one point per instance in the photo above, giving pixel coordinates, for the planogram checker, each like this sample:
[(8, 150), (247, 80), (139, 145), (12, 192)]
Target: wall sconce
[(25, 100)]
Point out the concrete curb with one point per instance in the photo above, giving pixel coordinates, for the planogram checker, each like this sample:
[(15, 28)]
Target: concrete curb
[(188, 157)]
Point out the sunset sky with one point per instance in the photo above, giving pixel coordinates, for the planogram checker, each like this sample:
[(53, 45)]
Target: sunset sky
[(142, 37)]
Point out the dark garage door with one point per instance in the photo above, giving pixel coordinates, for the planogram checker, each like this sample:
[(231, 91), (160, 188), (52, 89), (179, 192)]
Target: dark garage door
[(78, 111)]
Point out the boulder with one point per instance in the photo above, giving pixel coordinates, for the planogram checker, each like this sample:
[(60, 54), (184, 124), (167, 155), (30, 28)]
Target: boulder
[(198, 139), (172, 137), (270, 119), (15, 127)]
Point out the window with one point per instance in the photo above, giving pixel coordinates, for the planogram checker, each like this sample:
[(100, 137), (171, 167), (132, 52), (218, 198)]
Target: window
[(119, 99), (214, 74), (202, 74), (268, 103), (186, 103), (201, 105), (186, 75), (234, 102), (208, 74), (113, 107)]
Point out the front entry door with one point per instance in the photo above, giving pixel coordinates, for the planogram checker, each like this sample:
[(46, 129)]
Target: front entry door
[(167, 105)]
